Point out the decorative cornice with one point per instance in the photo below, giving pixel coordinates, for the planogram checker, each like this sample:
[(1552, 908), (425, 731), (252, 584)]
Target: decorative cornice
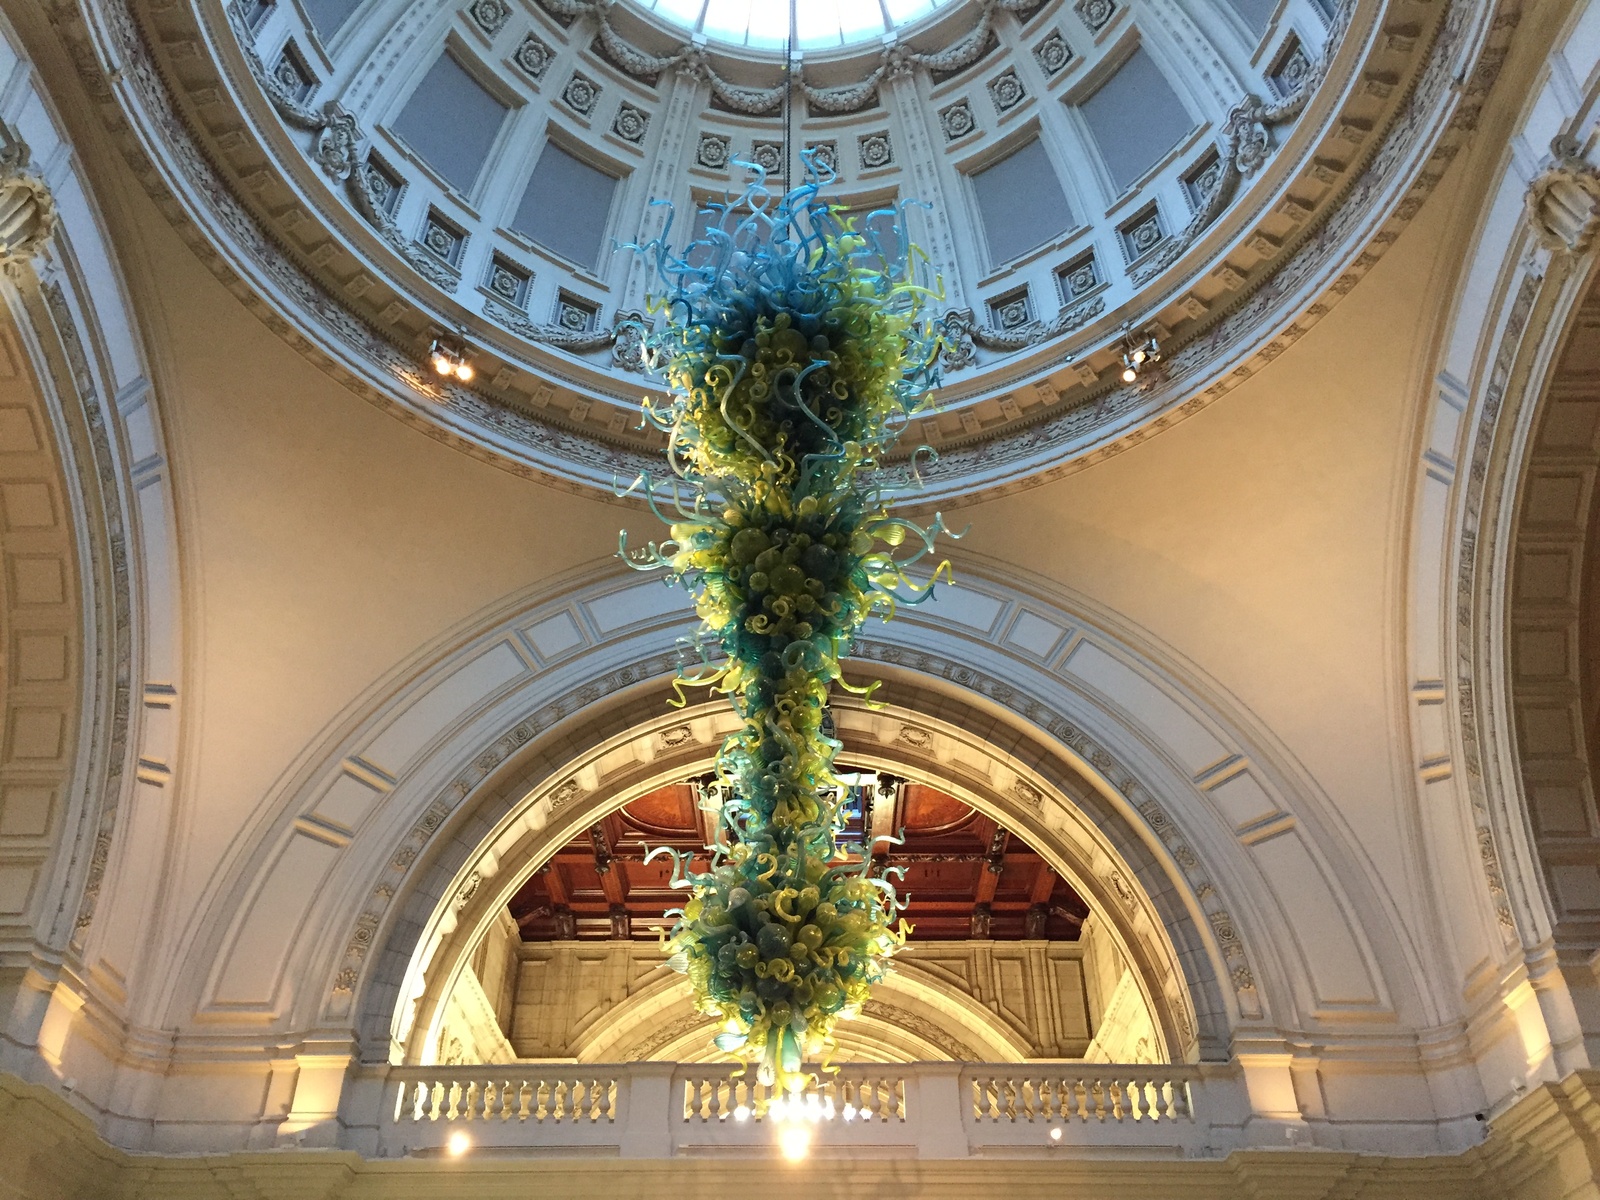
[(1207, 355)]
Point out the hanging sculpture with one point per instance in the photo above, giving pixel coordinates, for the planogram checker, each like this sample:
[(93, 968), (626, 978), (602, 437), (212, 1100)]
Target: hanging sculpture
[(795, 349)]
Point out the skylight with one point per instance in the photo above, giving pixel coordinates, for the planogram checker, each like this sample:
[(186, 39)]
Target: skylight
[(765, 23)]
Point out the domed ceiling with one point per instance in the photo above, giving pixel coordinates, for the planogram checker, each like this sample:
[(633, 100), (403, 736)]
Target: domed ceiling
[(1208, 173)]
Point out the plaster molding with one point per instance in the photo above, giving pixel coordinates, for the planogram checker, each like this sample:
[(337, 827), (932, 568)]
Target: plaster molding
[(1226, 343)]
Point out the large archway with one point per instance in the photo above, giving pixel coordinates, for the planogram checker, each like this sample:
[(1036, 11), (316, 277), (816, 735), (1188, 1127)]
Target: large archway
[(1086, 849)]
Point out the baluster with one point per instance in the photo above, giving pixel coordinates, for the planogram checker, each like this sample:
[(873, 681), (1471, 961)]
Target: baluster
[(1182, 1100), (437, 1096), (900, 1098), (541, 1099)]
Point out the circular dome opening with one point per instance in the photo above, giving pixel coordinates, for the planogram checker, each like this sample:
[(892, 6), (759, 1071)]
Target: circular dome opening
[(818, 24)]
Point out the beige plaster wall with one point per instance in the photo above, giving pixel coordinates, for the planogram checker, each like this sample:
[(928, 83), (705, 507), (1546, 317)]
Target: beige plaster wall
[(324, 541), (1260, 539)]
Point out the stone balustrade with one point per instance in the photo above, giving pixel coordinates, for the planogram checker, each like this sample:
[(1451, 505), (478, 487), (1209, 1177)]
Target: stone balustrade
[(925, 1110)]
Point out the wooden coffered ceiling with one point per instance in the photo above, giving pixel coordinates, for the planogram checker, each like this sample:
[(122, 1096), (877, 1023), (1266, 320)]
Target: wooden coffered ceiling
[(967, 877)]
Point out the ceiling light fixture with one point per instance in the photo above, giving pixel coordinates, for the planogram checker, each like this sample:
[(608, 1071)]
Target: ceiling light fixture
[(1137, 355), (449, 358)]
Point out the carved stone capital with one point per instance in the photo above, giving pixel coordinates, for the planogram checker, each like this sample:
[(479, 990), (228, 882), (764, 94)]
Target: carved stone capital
[(27, 209)]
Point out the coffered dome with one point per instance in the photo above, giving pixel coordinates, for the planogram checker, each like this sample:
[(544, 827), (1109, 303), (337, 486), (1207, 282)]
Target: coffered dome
[(1086, 173)]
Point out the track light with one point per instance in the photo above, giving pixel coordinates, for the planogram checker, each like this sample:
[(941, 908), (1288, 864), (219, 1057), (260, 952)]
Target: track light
[(1137, 355), (449, 358)]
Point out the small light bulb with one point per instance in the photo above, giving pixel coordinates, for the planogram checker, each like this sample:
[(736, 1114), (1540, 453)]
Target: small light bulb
[(441, 364), (742, 1113), (464, 372), (795, 1142), (459, 1143), (849, 1112), (1055, 1134), (1129, 375)]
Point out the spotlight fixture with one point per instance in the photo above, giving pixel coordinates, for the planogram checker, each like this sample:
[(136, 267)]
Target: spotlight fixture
[(458, 1144), (1137, 355), (449, 358)]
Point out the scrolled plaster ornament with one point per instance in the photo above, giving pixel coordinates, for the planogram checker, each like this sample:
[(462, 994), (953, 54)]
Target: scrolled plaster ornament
[(1245, 136), (27, 209), (1562, 204)]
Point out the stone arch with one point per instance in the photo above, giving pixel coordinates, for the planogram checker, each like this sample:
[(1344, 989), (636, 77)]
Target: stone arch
[(1492, 658), (893, 1027), (1280, 925), (88, 588), (1019, 784)]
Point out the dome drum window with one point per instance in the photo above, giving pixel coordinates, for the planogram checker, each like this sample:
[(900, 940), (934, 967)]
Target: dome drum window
[(1134, 119), (566, 207), (1020, 202), (451, 121), (328, 17), (457, 105)]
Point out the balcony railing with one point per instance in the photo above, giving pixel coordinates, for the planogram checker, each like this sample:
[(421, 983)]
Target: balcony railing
[(930, 1110)]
